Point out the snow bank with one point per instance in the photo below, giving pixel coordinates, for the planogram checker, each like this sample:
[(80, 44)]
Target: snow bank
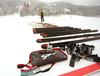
[(17, 41)]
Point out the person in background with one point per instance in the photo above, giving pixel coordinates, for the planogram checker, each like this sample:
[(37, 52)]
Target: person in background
[(42, 15)]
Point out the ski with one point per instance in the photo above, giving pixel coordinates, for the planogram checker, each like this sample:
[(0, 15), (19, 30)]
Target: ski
[(63, 38), (85, 71), (52, 28), (42, 30), (63, 44), (63, 31), (67, 33), (49, 25)]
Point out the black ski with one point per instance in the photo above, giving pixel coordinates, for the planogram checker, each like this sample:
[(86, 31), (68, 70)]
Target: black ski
[(42, 30), (52, 28), (67, 33), (63, 31), (63, 44), (63, 38)]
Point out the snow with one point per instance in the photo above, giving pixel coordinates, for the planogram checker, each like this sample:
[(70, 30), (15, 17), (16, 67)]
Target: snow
[(67, 10), (17, 41)]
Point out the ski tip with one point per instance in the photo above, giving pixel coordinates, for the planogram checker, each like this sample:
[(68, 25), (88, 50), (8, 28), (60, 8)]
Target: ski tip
[(34, 30), (42, 34), (45, 35), (39, 40), (44, 46)]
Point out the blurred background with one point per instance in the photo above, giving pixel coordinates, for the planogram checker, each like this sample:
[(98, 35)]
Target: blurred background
[(50, 7)]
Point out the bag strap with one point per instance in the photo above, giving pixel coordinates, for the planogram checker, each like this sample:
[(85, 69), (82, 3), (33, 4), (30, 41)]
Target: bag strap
[(48, 68), (34, 70), (19, 66)]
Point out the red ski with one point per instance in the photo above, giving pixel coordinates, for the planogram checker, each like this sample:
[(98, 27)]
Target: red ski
[(84, 71)]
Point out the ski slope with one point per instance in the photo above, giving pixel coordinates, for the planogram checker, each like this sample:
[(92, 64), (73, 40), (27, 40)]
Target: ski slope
[(17, 41)]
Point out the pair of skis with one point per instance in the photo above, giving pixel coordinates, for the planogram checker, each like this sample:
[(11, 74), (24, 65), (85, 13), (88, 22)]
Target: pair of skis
[(67, 33), (59, 31), (63, 44), (65, 37), (53, 29)]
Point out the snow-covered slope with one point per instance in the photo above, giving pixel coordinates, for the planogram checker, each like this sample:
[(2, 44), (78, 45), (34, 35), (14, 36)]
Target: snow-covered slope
[(17, 41)]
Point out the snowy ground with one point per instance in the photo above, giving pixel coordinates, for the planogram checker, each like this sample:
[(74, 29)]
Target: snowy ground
[(17, 41)]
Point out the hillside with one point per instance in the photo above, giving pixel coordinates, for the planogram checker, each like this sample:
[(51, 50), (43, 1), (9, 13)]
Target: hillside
[(56, 8)]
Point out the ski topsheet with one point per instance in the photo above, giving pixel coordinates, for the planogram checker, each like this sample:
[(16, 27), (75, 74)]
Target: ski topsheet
[(63, 31), (63, 38), (42, 30), (63, 44), (67, 33), (85, 71)]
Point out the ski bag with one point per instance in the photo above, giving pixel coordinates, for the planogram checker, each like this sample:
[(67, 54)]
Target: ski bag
[(40, 58)]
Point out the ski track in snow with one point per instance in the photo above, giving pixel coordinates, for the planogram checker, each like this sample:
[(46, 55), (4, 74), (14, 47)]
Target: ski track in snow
[(17, 41)]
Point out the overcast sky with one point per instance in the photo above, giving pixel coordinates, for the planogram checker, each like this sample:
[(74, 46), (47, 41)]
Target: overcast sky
[(78, 2)]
